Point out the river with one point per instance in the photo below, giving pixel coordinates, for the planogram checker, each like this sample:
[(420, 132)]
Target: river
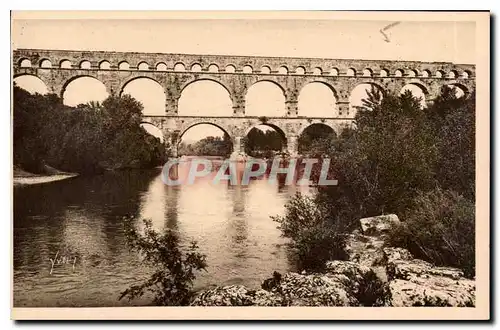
[(81, 220)]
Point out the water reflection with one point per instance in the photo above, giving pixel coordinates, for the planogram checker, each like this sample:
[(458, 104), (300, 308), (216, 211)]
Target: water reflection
[(83, 217)]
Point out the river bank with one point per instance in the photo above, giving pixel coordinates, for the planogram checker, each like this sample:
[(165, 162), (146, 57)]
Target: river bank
[(21, 177), (373, 275)]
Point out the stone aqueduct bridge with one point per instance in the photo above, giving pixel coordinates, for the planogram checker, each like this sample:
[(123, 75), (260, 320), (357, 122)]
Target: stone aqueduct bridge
[(57, 68)]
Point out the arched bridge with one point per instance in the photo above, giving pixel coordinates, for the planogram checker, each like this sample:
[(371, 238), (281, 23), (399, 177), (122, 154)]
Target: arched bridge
[(174, 72)]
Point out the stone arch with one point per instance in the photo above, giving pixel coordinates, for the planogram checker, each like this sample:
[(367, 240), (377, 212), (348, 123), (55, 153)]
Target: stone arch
[(219, 94), (274, 126), (466, 74), (351, 72), (83, 93), (272, 95), (196, 67), (31, 83), (419, 84), (152, 97), (317, 95), (453, 74), (417, 90), (25, 63), (179, 67), (399, 73), (334, 72), (213, 68), (104, 65), (264, 141), (85, 64), (384, 73), (45, 63), (143, 66), (123, 65), (124, 84), (360, 92), (230, 68), (190, 125), (317, 71), (426, 74), (147, 124), (161, 66), (212, 79), (65, 64), (283, 70), (303, 128), (412, 73), (462, 91), (300, 70), (439, 74), (367, 72), (247, 69), (265, 69)]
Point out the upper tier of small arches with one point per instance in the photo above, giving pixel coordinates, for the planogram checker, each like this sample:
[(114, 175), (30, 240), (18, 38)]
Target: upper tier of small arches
[(266, 69)]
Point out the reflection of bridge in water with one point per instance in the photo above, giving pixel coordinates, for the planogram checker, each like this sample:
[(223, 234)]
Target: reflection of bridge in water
[(236, 75), (216, 170)]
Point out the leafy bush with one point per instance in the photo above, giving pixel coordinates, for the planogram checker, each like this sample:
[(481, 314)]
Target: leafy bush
[(315, 239), (172, 281), (440, 229), (454, 123)]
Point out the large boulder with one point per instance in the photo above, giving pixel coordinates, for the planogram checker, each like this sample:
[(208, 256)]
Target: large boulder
[(415, 282), (379, 225), (431, 291), (365, 250)]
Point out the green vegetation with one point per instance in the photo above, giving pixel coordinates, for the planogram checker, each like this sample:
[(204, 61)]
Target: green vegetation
[(174, 270), (399, 159), (90, 138)]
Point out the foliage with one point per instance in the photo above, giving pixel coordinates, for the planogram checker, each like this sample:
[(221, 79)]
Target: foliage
[(396, 153), (440, 229), (86, 139), (315, 238), (172, 280), (454, 123), (209, 146), (315, 140), (260, 143)]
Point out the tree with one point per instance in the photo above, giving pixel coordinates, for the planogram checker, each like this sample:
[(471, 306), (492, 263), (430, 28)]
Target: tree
[(315, 140), (260, 143), (453, 119), (397, 159), (88, 138), (209, 146)]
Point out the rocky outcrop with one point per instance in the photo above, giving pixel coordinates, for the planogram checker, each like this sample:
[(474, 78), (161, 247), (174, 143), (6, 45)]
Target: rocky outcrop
[(376, 226), (414, 282), (374, 275), (336, 287)]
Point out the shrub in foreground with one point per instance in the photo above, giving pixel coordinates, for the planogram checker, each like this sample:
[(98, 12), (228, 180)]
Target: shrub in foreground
[(315, 239), (440, 229), (171, 282)]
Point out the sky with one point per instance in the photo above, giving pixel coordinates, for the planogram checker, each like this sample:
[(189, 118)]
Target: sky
[(408, 40)]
